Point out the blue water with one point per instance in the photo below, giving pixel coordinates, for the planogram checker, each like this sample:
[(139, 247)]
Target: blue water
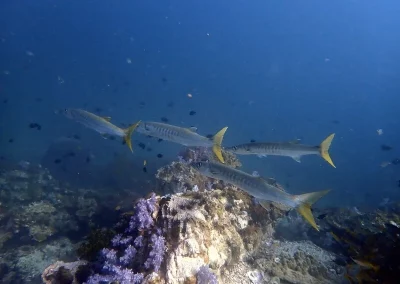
[(269, 70)]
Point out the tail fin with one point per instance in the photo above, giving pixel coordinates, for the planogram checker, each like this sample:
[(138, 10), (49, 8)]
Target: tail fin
[(306, 200), (128, 133), (324, 148), (217, 139)]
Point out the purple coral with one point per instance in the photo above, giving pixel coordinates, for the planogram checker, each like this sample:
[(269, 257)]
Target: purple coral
[(130, 249), (122, 276), (206, 276), (157, 252), (128, 256), (143, 214)]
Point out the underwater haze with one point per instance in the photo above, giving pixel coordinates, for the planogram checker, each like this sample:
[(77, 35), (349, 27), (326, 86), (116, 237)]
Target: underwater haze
[(269, 70)]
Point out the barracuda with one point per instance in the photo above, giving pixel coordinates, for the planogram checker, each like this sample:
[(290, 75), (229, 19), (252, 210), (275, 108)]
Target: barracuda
[(262, 189), (289, 149), (101, 124), (184, 136)]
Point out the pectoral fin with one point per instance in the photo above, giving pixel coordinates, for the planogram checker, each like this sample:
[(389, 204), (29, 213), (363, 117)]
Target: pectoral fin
[(297, 158), (106, 118)]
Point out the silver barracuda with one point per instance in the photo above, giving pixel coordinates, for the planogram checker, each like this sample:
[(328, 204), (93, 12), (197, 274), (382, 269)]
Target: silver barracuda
[(261, 189), (184, 136), (101, 124), (289, 149)]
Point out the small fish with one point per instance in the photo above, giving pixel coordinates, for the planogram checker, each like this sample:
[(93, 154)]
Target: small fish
[(184, 136), (386, 147), (384, 202), (261, 189), (335, 237), (170, 104), (252, 141), (358, 212), (142, 104), (396, 161), (145, 169), (385, 164), (142, 145), (10, 140), (192, 112), (35, 125), (5, 101), (57, 161), (160, 140), (101, 124), (144, 163), (159, 156), (289, 149), (380, 131), (366, 264), (77, 137), (39, 100), (164, 119), (322, 216)]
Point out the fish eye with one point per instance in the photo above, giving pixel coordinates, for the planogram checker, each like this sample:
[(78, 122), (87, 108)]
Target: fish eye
[(65, 110), (199, 164)]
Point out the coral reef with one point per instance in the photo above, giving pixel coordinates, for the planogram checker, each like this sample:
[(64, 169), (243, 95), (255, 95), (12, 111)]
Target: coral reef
[(213, 234), (179, 177), (37, 211), (196, 154), (201, 231)]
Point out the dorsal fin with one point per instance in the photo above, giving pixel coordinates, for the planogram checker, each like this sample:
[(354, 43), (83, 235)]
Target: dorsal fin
[(273, 182), (193, 129), (295, 141), (106, 118)]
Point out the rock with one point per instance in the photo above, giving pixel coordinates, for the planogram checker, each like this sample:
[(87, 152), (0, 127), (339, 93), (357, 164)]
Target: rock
[(65, 273)]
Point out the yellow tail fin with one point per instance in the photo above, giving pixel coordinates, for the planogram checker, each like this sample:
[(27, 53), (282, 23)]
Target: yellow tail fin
[(128, 133), (324, 148), (306, 200), (217, 139)]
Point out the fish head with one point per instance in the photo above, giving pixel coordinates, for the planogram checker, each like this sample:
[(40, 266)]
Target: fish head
[(232, 149), (147, 127), (204, 168), (67, 112)]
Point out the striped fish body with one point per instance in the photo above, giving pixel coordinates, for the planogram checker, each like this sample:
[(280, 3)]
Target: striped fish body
[(95, 122), (172, 133), (293, 150), (262, 189), (101, 124), (255, 186), (275, 149)]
